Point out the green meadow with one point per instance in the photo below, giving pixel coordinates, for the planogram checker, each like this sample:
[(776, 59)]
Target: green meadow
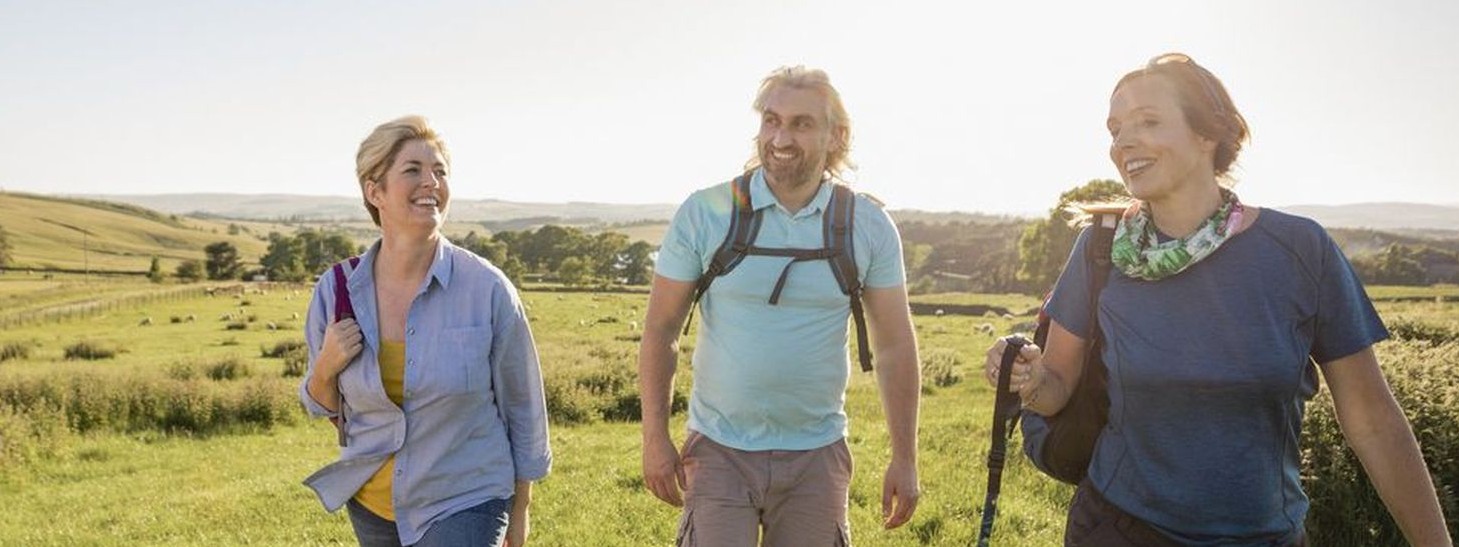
[(188, 434)]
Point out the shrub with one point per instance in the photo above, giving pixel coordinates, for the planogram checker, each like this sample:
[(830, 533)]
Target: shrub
[(1417, 331), (282, 349), (14, 350), (90, 351), (182, 371), (237, 325), (1345, 508), (55, 405), (939, 367), (231, 368), (296, 362)]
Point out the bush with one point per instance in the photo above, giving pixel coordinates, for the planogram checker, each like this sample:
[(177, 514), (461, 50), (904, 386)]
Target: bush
[(56, 405), (231, 368), (296, 362), (939, 367), (1417, 331), (1345, 508), (14, 350), (282, 349), (605, 394), (182, 371), (90, 351), (237, 325)]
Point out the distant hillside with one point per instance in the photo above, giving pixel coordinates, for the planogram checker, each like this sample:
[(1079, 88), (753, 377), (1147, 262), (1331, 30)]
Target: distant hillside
[(1434, 220), (48, 232), (296, 207)]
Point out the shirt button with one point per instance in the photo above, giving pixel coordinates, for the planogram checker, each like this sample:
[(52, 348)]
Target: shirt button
[(410, 332), (409, 362)]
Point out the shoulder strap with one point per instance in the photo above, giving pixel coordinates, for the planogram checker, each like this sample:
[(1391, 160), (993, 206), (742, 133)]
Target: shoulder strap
[(343, 309), (744, 226), (840, 240), (1097, 260)]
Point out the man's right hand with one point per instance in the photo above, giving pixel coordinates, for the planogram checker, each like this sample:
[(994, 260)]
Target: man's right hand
[(663, 472), (342, 342)]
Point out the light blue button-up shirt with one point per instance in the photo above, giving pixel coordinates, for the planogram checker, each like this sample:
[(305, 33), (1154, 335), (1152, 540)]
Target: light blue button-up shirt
[(774, 377), (474, 419)]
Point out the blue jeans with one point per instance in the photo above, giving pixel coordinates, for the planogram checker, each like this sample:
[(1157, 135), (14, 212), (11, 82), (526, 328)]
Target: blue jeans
[(481, 525)]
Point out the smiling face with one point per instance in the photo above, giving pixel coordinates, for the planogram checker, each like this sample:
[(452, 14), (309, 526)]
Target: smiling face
[(414, 195), (794, 137), (1154, 148)]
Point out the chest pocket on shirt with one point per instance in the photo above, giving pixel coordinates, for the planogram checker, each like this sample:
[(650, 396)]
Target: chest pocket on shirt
[(460, 361)]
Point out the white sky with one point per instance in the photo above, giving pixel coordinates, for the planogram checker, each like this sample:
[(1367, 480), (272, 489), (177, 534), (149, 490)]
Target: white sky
[(993, 107)]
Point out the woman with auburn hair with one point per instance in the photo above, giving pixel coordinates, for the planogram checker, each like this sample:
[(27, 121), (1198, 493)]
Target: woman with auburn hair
[(1212, 315), (422, 354)]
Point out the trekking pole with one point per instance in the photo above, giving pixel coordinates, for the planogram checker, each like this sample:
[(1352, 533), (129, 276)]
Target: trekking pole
[(1005, 411)]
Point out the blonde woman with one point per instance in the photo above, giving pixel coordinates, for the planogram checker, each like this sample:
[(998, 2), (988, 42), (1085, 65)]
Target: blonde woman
[(434, 382)]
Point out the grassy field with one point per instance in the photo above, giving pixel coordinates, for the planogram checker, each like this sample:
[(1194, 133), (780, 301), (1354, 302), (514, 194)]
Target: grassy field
[(241, 486)]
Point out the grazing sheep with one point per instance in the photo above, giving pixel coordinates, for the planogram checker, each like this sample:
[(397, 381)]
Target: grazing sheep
[(986, 328), (294, 316), (939, 312), (191, 318), (633, 326), (225, 317), (146, 321), (271, 326)]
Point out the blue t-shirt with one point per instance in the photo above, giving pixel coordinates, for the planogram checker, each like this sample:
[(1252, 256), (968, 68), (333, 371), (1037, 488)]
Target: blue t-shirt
[(773, 377), (1209, 375)]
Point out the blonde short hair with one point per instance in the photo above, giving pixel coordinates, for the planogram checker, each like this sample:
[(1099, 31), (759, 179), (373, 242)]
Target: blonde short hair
[(815, 79), (378, 150)]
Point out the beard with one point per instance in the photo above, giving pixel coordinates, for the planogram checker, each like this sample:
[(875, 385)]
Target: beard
[(798, 172)]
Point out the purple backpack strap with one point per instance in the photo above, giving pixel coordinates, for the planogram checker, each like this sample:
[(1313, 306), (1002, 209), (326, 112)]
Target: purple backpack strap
[(343, 309)]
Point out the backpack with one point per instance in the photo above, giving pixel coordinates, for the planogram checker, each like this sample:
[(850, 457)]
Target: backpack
[(838, 252), (343, 309), (1061, 445)]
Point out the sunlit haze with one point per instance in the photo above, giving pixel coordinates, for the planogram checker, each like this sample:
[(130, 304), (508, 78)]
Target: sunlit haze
[(955, 106)]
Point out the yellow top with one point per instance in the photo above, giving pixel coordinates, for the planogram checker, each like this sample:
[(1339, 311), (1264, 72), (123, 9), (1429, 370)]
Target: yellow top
[(375, 494)]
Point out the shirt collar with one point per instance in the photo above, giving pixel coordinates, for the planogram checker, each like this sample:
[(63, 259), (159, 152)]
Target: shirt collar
[(440, 266), (761, 196)]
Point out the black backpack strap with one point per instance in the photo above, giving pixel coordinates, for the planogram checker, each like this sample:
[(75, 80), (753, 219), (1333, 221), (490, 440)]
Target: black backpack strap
[(1097, 259), (838, 236), (1005, 412), (744, 226)]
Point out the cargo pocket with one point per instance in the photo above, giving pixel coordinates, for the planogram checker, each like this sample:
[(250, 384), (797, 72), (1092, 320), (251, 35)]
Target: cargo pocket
[(686, 529)]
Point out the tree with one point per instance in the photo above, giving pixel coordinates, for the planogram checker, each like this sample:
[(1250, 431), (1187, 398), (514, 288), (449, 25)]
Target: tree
[(1397, 265), (637, 263), (154, 273), (5, 257), (222, 260), (284, 260), (190, 271), (1045, 244), (574, 271), (323, 249)]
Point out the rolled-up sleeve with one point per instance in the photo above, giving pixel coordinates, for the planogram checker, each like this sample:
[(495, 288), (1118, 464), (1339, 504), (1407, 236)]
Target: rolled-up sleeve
[(316, 320), (517, 375)]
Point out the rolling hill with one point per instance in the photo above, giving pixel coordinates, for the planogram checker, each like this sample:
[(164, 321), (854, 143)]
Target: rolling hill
[(47, 232)]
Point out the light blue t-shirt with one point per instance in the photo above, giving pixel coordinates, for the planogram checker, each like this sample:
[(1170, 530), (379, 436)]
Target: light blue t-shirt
[(1209, 375), (773, 377)]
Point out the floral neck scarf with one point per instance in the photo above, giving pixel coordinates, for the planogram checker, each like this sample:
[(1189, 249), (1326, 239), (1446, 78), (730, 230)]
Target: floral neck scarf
[(1135, 250)]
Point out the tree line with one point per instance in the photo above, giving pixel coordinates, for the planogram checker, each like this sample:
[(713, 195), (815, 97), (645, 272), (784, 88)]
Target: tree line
[(562, 254), (990, 255)]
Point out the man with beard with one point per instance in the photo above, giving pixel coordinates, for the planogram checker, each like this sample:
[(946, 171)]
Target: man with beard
[(765, 457)]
